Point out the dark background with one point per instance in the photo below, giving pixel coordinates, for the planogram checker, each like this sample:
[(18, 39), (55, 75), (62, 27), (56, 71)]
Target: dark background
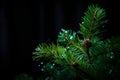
[(24, 24)]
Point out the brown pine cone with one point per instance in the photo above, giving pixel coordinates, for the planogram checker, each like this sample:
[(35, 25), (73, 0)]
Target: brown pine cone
[(86, 44)]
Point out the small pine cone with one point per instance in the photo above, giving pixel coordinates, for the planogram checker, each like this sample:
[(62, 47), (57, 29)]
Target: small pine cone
[(86, 43)]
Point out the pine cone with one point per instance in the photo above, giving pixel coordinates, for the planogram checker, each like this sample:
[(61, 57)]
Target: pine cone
[(86, 44)]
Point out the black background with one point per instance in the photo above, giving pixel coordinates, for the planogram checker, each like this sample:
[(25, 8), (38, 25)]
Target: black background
[(24, 24)]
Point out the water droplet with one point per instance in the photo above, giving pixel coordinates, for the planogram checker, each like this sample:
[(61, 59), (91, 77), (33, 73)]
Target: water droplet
[(42, 69), (111, 57), (39, 65), (65, 31), (53, 64), (44, 66), (71, 37), (41, 62), (68, 47)]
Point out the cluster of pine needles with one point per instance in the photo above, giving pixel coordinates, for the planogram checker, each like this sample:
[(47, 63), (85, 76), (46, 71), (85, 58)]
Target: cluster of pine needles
[(88, 57)]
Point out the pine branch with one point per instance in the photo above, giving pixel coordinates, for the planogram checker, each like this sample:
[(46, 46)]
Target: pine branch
[(74, 44), (93, 19), (72, 53)]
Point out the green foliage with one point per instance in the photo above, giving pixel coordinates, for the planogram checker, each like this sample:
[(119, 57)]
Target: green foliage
[(87, 58), (23, 76), (93, 20)]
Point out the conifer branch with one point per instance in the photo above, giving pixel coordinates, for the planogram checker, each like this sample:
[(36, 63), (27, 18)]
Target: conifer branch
[(72, 54), (74, 44), (93, 19)]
